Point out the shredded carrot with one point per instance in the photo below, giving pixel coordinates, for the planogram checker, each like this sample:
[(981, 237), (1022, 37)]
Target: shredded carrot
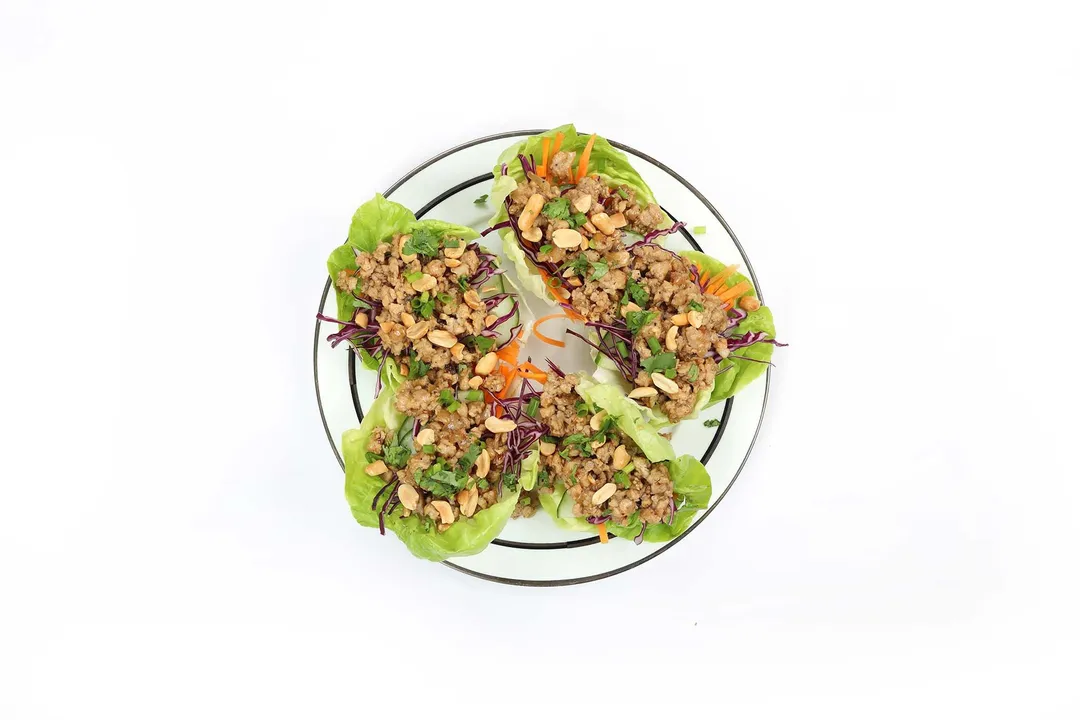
[(544, 338), (703, 277), (553, 284), (733, 292), (602, 527), (510, 375), (583, 166), (509, 354), (574, 315), (531, 372), (542, 170), (715, 286), (558, 144)]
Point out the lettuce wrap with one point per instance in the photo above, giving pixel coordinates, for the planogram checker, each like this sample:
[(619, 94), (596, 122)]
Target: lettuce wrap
[(690, 481), (374, 503), (605, 162), (379, 221)]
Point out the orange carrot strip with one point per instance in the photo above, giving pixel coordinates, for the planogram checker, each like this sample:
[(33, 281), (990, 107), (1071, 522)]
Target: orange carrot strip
[(509, 354), (703, 278), (510, 376), (735, 291), (574, 315), (583, 166), (715, 285), (558, 144), (544, 338), (530, 375), (543, 160), (602, 527)]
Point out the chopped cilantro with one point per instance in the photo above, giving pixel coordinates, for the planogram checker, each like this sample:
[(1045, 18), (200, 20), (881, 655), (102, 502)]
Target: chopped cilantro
[(358, 303), (526, 500), (510, 481), (463, 283), (451, 243), (397, 456), (636, 293), (543, 477), (622, 479), (440, 482), (423, 242), (413, 276), (670, 373), (599, 269), (579, 264), (470, 456), (417, 368), (582, 408), (712, 423), (545, 249), (446, 397), (557, 209), (658, 363), (637, 319), (372, 457), (482, 343), (480, 200)]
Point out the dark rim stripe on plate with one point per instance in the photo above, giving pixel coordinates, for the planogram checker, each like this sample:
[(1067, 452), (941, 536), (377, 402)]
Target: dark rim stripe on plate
[(712, 446)]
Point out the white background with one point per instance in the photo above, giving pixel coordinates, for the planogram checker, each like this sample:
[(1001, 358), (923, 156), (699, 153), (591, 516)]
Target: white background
[(173, 538)]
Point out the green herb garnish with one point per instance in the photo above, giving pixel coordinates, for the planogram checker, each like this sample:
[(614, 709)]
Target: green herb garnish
[(413, 276), (654, 345), (481, 342), (637, 319), (474, 396), (622, 479), (622, 193), (692, 373), (636, 293), (532, 407), (712, 423), (429, 449), (695, 305), (544, 249), (577, 220), (659, 362), (599, 270), (558, 209), (423, 242), (480, 200), (699, 229)]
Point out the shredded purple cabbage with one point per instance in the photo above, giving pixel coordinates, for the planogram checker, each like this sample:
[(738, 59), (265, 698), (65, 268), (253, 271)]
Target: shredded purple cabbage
[(555, 368), (641, 535), (598, 519), (497, 226)]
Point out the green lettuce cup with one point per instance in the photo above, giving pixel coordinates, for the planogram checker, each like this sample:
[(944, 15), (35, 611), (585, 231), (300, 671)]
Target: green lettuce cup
[(683, 331), (605, 469), (443, 491), (415, 294), (560, 185)]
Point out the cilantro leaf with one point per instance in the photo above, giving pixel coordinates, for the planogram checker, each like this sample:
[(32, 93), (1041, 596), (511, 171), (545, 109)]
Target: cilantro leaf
[(636, 293), (638, 318), (658, 363), (712, 423), (469, 458), (599, 268), (423, 242), (482, 343), (480, 200), (622, 479), (558, 209), (579, 264), (397, 456), (417, 368)]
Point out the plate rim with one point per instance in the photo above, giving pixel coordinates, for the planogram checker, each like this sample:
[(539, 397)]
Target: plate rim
[(764, 401)]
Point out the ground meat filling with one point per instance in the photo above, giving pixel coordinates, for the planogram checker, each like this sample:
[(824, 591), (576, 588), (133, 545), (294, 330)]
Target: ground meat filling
[(605, 474), (454, 470), (579, 226), (425, 315), (684, 323)]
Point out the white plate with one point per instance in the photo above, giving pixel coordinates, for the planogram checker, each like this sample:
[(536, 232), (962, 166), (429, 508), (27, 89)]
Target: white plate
[(533, 551)]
